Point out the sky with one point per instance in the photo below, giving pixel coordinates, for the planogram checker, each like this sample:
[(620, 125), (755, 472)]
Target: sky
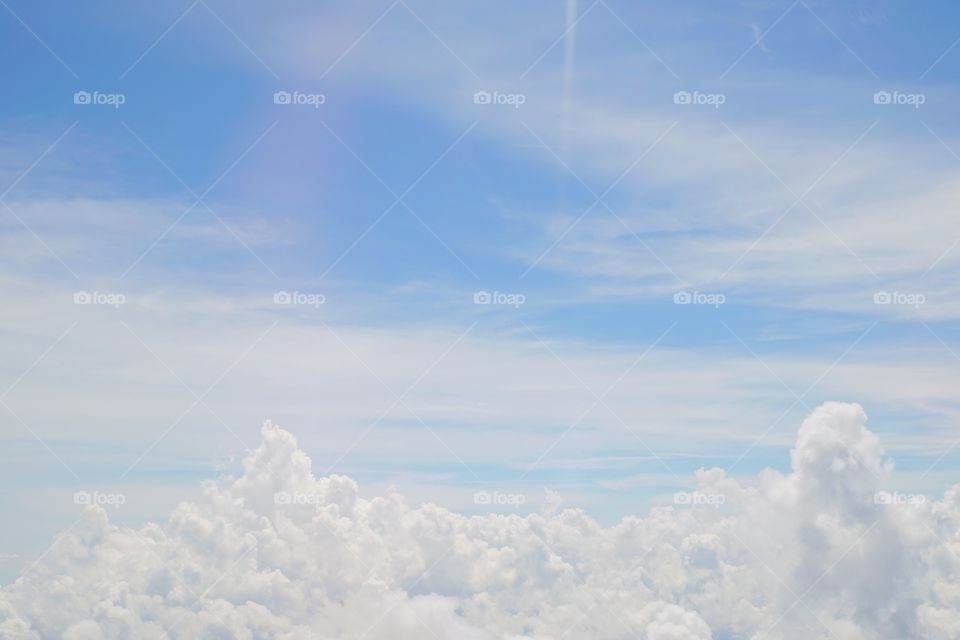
[(471, 251)]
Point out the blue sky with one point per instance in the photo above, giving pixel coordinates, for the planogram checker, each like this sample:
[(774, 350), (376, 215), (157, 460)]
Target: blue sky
[(597, 199)]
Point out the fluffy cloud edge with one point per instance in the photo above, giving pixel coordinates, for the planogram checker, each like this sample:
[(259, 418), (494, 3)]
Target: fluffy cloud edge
[(825, 550)]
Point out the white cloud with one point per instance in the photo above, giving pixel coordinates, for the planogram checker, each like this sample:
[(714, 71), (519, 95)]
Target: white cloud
[(708, 199), (805, 554)]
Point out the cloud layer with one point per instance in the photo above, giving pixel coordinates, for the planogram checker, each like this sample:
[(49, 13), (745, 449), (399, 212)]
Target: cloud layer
[(828, 550)]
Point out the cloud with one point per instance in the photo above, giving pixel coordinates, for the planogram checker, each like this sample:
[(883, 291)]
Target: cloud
[(275, 552), (739, 224)]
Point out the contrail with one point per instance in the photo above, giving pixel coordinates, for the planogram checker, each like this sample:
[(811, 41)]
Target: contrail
[(568, 54), (566, 100)]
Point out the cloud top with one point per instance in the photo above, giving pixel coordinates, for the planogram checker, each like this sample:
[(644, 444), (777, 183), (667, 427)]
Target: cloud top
[(826, 550)]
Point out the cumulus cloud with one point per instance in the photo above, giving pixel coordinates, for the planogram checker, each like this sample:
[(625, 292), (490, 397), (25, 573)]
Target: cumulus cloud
[(827, 550)]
